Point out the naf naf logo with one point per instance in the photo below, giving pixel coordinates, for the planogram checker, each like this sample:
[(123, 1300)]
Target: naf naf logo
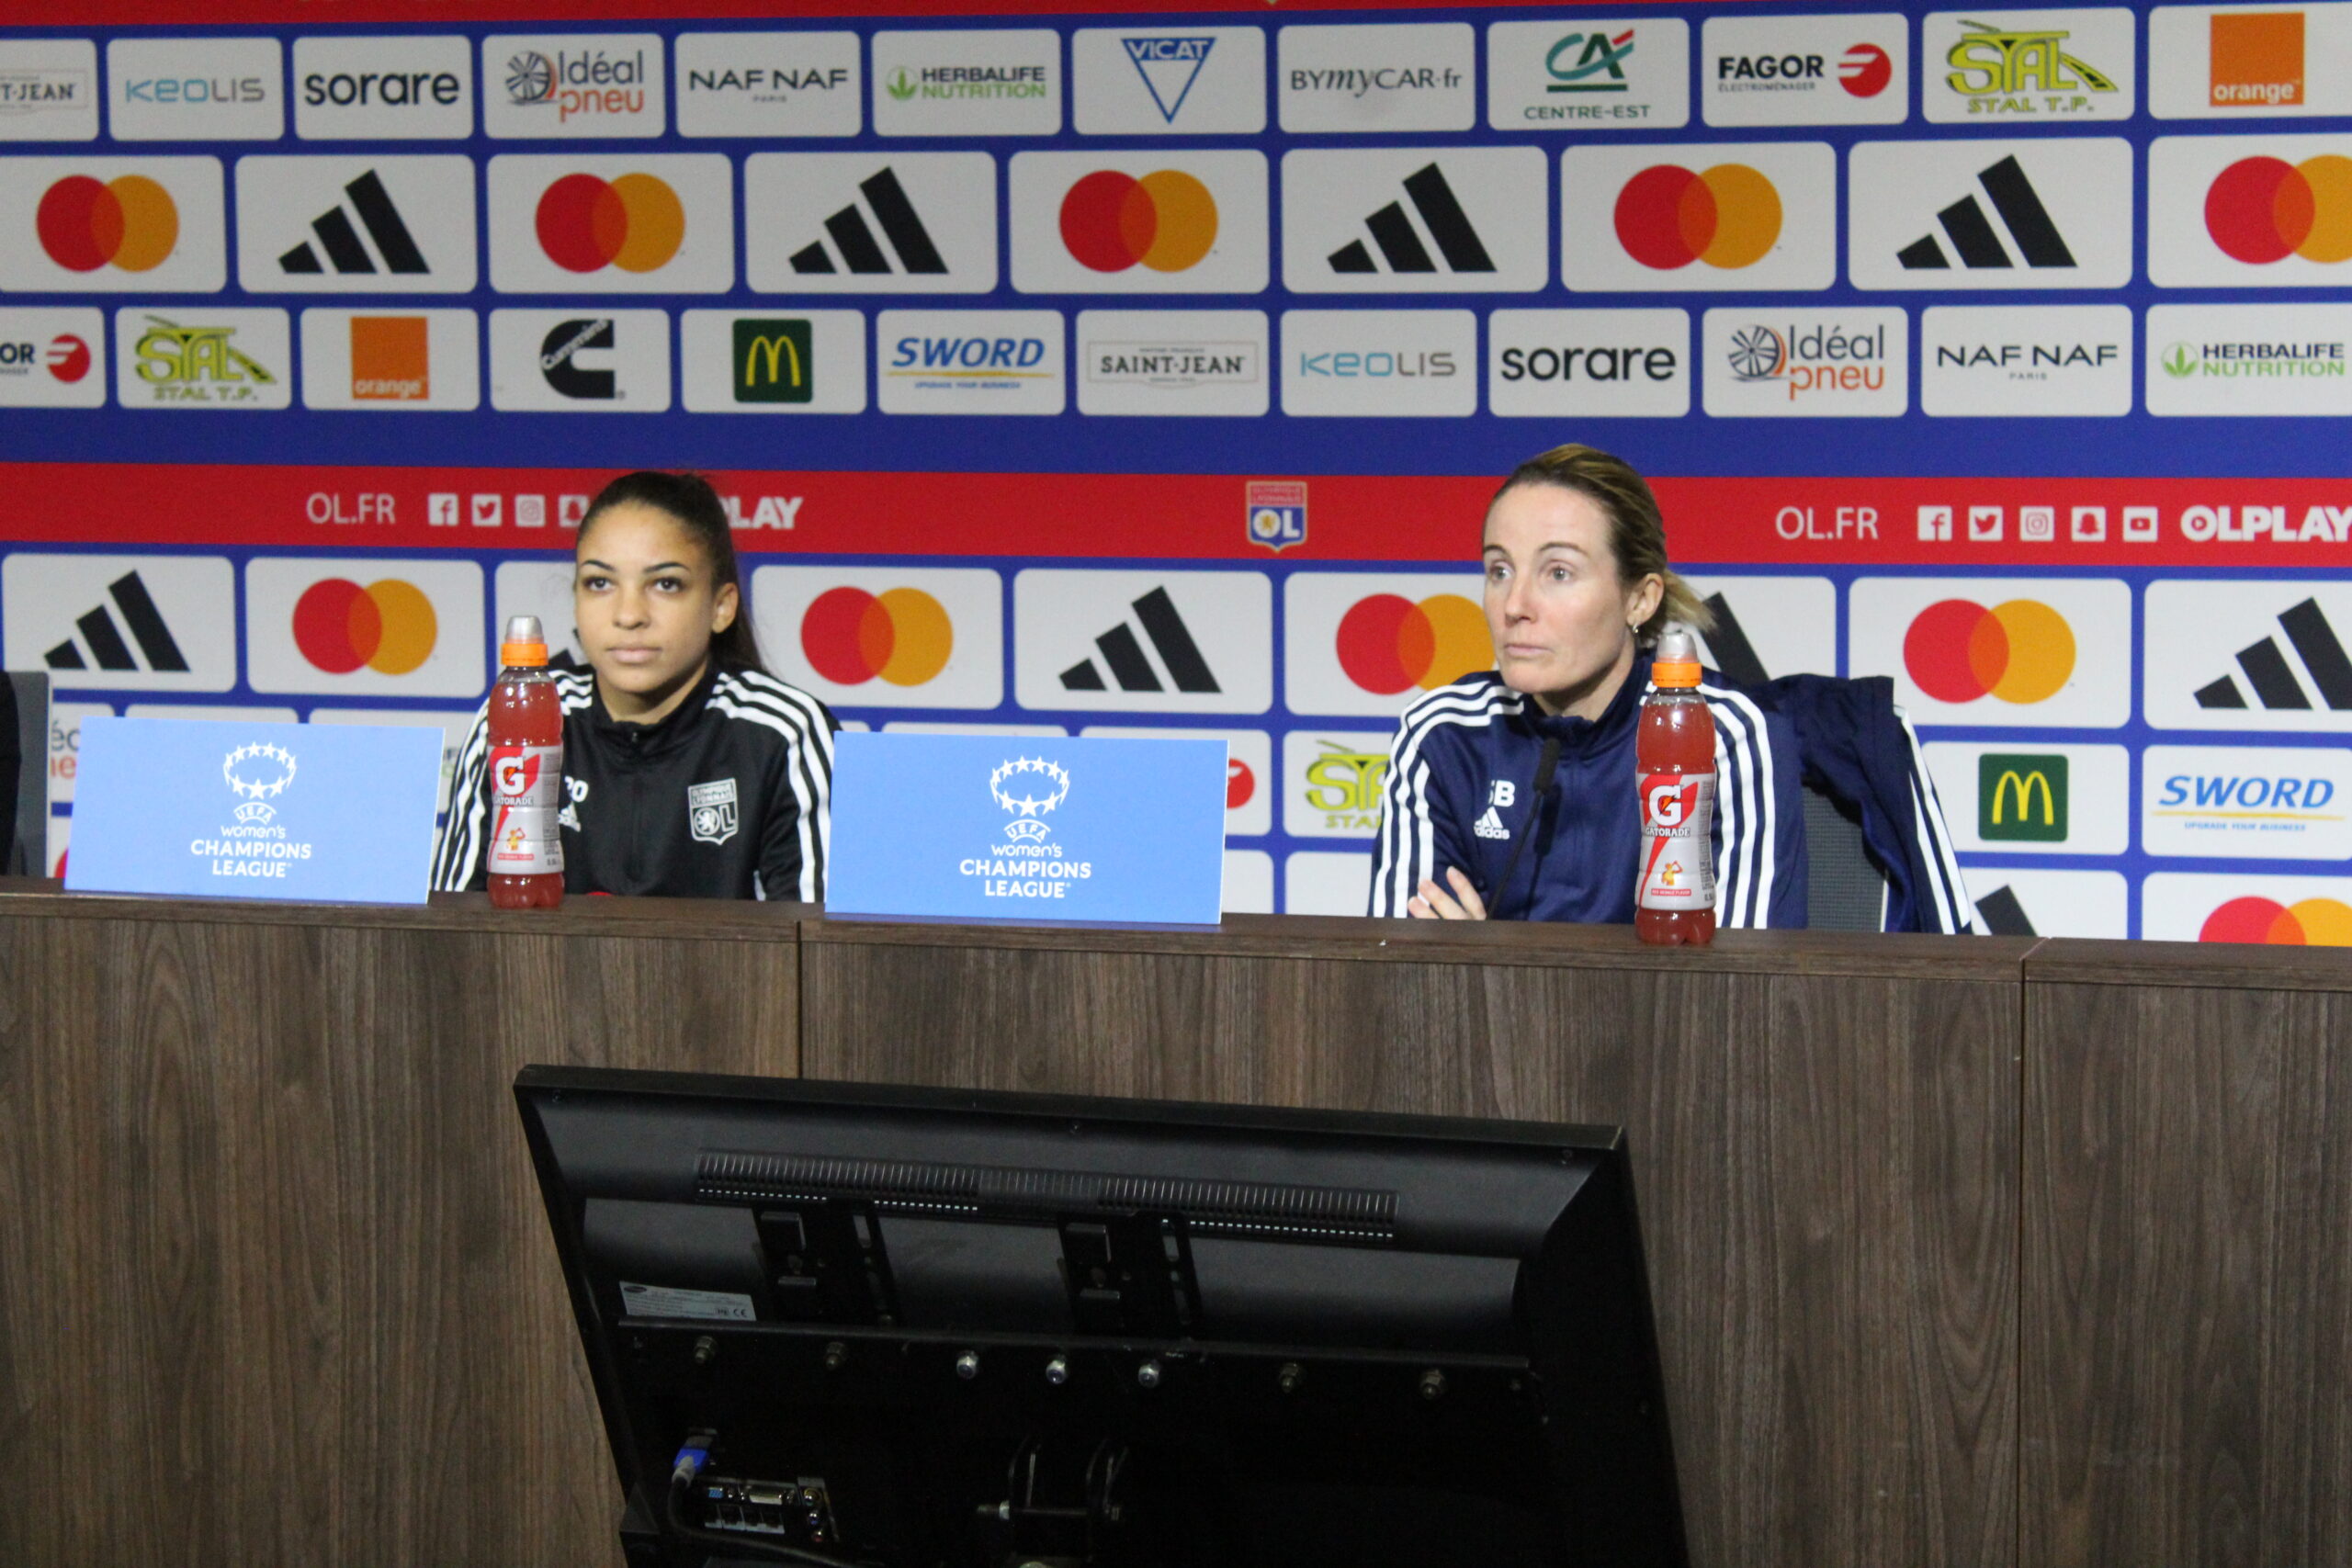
[(2066, 361), (769, 85)]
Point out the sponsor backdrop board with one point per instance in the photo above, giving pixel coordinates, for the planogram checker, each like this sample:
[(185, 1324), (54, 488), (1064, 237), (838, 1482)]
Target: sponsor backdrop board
[(2001, 353)]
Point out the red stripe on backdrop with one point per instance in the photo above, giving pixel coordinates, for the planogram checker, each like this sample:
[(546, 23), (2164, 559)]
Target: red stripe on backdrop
[(2299, 524), (558, 13)]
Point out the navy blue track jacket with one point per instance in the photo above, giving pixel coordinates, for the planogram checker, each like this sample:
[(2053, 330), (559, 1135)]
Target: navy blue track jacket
[(1457, 793)]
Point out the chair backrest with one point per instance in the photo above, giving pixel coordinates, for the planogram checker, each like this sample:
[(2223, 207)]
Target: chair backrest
[(24, 792), (1844, 891)]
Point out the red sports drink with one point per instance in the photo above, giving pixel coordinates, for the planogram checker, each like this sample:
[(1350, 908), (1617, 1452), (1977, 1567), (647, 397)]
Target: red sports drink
[(1674, 753), (525, 774)]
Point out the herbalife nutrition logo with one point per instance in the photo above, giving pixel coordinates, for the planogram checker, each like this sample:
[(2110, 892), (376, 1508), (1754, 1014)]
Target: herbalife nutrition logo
[(967, 82), (2254, 361)]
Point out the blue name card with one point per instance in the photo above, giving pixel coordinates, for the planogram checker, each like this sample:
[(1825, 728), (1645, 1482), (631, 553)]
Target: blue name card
[(314, 813), (1027, 828)]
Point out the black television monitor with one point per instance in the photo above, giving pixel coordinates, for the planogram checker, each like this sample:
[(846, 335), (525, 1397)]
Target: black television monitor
[(844, 1324), (24, 775)]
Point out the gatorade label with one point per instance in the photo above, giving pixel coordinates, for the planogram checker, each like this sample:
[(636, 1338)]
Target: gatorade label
[(525, 792), (1677, 863)]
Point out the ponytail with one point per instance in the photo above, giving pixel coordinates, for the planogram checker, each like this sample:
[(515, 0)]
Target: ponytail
[(688, 500)]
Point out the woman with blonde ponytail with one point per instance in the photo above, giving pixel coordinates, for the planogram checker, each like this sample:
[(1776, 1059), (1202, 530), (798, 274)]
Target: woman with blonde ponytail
[(1510, 793)]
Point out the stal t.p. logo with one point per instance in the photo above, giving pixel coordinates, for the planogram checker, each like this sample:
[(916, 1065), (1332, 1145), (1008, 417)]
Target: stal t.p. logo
[(1042, 785), (256, 773)]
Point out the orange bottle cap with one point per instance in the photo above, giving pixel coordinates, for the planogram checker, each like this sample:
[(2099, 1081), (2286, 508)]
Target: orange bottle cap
[(525, 645), (1677, 663), (1675, 673)]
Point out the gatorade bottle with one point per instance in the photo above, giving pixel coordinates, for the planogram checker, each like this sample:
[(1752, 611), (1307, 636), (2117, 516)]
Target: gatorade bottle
[(1674, 754), (525, 774)]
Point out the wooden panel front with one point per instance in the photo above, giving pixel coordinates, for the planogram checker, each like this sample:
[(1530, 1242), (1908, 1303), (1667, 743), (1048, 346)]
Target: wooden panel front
[(2188, 1265), (1824, 1131), (276, 1285)]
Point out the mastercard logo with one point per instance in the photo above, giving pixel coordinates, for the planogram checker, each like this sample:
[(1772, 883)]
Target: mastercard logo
[(128, 222), (1957, 651), (850, 636), (1728, 216), (2266, 209), (2313, 922), (635, 224), (387, 627), (1166, 220), (1388, 643)]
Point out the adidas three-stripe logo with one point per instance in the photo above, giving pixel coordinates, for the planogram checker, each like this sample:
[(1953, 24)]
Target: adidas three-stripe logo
[(1400, 245), (1170, 638), (98, 629), (1973, 238), (860, 252), (340, 240), (2273, 679)]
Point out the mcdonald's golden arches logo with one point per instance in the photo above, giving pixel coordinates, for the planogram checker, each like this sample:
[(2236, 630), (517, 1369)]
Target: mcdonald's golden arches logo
[(773, 361), (2021, 797)]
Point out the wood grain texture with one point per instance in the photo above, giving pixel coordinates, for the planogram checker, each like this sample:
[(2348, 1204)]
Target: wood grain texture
[(2187, 1267), (276, 1285), (1824, 1161)]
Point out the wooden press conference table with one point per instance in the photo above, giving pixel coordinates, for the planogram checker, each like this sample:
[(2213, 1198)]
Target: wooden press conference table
[(1965, 1251)]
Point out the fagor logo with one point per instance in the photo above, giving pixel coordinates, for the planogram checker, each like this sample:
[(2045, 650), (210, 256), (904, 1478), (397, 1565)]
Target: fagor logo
[(67, 358), (2310, 923), (902, 636), (387, 627), (2264, 210), (128, 222), (1727, 216), (1166, 220), (2022, 651), (634, 222), (2021, 797), (1388, 643)]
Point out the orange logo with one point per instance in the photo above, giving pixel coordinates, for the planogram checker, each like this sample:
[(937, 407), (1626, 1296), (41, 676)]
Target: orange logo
[(902, 635), (1166, 220), (1956, 651), (1386, 642), (2258, 59), (1728, 216), (388, 626), (390, 362), (635, 224), (2313, 922), (130, 221)]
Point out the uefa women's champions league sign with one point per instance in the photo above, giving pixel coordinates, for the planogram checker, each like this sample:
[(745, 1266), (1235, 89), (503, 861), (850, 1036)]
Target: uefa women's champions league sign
[(309, 813), (1026, 829)]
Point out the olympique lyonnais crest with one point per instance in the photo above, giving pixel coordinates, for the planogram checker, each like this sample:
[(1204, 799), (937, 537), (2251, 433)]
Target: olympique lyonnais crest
[(710, 811), (1274, 512)]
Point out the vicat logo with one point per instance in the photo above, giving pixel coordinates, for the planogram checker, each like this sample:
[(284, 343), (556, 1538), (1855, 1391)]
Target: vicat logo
[(577, 81), (1825, 357), (1169, 67), (2018, 652), (1388, 643), (2021, 70), (1727, 216), (2308, 922), (2258, 59)]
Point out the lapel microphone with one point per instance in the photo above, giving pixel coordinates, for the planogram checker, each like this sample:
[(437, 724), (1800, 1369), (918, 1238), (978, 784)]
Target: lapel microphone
[(1545, 766)]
